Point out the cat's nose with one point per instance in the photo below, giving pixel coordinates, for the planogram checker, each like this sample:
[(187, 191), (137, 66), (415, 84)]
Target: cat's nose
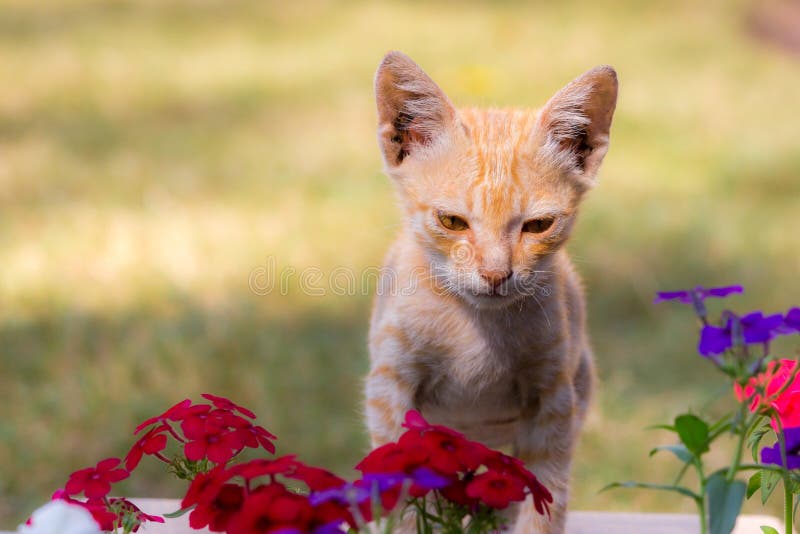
[(494, 277)]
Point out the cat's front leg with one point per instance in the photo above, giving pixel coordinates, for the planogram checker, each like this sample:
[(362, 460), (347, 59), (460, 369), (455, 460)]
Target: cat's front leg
[(388, 398), (545, 443)]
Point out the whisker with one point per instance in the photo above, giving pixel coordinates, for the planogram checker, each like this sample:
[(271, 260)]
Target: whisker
[(547, 317)]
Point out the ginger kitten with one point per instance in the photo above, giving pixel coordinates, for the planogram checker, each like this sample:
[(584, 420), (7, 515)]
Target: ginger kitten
[(491, 340)]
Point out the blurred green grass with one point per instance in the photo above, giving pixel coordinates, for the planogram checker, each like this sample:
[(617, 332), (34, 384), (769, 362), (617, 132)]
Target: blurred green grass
[(153, 154)]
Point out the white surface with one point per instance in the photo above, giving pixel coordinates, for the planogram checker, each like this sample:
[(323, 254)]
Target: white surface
[(577, 523)]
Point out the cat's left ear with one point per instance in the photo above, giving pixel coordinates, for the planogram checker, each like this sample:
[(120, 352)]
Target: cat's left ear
[(574, 125)]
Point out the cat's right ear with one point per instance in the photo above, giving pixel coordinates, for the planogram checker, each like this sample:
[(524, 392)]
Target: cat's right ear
[(413, 112)]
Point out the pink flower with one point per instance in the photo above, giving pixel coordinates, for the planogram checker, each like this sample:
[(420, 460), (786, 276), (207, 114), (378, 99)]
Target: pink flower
[(785, 403)]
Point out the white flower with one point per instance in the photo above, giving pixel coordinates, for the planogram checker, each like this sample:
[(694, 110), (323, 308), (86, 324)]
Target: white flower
[(61, 517)]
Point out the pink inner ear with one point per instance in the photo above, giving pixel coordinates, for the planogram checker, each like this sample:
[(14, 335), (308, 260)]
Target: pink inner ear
[(414, 134), (410, 133)]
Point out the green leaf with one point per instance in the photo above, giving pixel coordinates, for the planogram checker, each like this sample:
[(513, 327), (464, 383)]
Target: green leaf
[(756, 437), (796, 504), (680, 451), (658, 487), (725, 498), (693, 432), (768, 530), (173, 515), (754, 484), (769, 481)]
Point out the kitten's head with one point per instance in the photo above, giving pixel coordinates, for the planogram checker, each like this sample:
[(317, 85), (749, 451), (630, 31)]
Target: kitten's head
[(490, 195)]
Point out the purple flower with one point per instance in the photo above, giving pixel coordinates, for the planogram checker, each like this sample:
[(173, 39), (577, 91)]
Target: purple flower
[(384, 481), (422, 476), (791, 321), (360, 490), (701, 293), (753, 328), (772, 455), (349, 493), (331, 528), (429, 479)]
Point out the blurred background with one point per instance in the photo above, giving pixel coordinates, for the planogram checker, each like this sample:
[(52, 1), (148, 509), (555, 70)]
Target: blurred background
[(154, 155)]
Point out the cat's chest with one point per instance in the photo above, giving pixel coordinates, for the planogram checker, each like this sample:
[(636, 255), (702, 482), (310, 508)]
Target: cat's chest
[(490, 415), (481, 390)]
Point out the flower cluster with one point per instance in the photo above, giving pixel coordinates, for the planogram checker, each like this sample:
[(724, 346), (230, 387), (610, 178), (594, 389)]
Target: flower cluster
[(215, 432), (464, 472), (95, 484), (468, 481), (254, 497), (735, 330), (768, 394)]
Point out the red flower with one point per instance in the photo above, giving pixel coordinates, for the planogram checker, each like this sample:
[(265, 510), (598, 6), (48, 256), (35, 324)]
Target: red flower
[(216, 511), (393, 458), (496, 489), (193, 422), (415, 421), (449, 453), (95, 482), (508, 464), (173, 414), (263, 467), (330, 512), (225, 404), (457, 493), (315, 478), (252, 435), (213, 440), (154, 441), (271, 508), (205, 485)]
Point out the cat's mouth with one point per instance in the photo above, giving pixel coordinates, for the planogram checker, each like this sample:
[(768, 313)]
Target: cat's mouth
[(494, 298)]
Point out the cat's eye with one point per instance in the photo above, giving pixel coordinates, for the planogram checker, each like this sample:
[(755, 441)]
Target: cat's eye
[(453, 222), (537, 226)]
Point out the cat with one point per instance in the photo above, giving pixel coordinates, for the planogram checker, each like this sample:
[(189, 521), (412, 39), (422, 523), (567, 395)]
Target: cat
[(491, 341)]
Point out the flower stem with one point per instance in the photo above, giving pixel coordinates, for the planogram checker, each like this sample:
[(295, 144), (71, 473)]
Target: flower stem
[(787, 506), (744, 425), (701, 508)]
